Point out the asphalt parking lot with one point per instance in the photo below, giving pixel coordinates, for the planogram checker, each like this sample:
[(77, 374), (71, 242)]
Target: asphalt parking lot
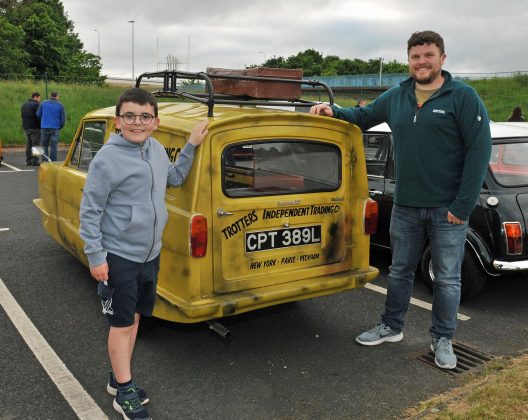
[(293, 361)]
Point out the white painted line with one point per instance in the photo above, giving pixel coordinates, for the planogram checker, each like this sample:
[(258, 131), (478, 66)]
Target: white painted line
[(14, 168), (4, 229), (414, 301), (80, 401)]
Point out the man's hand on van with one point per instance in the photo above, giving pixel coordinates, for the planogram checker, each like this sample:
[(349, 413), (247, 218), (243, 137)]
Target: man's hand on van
[(198, 133), (321, 109), (100, 272)]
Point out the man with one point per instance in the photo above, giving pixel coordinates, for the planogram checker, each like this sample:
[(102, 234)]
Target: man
[(442, 145), (52, 120), (31, 126)]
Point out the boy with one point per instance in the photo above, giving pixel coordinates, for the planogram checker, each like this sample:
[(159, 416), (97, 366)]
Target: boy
[(122, 218)]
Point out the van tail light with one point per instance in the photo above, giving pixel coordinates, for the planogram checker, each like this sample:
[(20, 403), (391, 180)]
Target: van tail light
[(513, 237), (370, 216), (198, 236)]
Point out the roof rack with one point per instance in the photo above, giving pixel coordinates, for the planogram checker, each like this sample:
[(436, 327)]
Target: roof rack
[(209, 98)]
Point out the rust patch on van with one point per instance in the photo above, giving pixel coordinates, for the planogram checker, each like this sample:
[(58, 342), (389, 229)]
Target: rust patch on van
[(332, 249)]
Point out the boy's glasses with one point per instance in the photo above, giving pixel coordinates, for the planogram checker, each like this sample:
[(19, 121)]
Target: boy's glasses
[(130, 118)]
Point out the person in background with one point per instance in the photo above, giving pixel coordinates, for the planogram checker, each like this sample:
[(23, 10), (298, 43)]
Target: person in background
[(442, 146), (52, 120), (516, 115), (361, 103), (31, 126)]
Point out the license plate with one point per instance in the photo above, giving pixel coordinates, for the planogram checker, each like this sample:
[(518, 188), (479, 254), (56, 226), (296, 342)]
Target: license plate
[(282, 238)]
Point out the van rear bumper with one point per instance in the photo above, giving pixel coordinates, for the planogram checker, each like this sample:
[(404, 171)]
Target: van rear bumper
[(172, 308)]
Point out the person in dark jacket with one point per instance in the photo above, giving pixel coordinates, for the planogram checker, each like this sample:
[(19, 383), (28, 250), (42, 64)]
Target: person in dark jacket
[(442, 144), (31, 126), (122, 218), (52, 120), (516, 115)]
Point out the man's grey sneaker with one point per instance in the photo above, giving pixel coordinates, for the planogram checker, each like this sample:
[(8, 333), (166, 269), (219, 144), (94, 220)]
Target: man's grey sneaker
[(111, 388), (444, 356), (128, 404), (379, 334)]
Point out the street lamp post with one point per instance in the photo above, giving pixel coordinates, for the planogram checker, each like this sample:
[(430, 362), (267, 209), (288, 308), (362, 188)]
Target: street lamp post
[(132, 22), (381, 69), (98, 43)]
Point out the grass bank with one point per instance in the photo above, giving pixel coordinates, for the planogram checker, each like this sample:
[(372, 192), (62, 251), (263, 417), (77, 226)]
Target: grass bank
[(499, 96), (499, 393), (77, 100)]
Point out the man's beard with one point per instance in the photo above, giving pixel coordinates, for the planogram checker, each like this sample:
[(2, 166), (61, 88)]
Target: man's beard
[(432, 76)]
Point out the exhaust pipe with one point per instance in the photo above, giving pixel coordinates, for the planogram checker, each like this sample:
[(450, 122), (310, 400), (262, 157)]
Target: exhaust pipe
[(219, 329)]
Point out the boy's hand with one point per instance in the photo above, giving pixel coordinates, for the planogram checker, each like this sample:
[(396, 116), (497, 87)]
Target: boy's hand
[(100, 272), (198, 133)]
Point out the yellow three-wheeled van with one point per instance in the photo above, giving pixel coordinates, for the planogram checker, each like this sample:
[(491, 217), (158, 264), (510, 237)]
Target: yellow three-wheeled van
[(275, 209)]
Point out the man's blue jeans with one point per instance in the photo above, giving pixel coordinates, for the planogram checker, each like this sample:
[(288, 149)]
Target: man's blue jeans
[(49, 137), (409, 229)]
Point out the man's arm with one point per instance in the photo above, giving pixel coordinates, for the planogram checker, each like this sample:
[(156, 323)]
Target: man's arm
[(364, 117), (475, 130)]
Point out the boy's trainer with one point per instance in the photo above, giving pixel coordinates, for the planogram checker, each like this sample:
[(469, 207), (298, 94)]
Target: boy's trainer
[(379, 334), (111, 388), (128, 404), (444, 356)]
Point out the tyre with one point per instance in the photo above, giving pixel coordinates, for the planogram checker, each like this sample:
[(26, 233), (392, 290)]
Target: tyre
[(473, 276)]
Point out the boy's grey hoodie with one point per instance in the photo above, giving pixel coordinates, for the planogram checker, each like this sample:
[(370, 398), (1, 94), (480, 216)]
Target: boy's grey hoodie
[(123, 204)]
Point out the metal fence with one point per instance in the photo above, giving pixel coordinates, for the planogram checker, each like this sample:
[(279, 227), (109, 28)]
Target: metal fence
[(346, 81), (389, 80)]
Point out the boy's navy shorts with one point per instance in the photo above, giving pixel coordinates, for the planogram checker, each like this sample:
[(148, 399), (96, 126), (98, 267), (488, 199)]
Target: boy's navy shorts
[(131, 289)]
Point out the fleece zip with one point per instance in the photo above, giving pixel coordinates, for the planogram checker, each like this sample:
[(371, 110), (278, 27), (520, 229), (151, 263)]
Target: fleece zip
[(442, 149), (123, 204)]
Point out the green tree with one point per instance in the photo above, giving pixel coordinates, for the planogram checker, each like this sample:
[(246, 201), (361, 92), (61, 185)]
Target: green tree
[(394, 66), (314, 64), (83, 68), (310, 61), (49, 40), (275, 62), (331, 65), (13, 58)]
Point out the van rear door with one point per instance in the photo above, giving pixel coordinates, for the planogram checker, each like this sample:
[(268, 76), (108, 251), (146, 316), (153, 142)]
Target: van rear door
[(280, 206)]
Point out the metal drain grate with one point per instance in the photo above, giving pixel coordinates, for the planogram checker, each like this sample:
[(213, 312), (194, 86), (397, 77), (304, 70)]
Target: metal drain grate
[(468, 359)]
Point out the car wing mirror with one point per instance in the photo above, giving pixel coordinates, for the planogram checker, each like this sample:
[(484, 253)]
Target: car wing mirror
[(38, 151)]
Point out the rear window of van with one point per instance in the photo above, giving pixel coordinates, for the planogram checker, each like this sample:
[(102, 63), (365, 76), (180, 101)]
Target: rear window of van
[(280, 167)]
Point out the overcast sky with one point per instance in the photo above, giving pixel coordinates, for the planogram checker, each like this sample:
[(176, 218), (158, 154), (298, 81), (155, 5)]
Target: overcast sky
[(480, 35)]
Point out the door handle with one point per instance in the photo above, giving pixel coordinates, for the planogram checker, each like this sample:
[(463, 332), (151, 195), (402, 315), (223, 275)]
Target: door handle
[(221, 213)]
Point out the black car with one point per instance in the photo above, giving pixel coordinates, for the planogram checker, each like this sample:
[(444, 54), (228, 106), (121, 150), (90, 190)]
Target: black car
[(497, 231)]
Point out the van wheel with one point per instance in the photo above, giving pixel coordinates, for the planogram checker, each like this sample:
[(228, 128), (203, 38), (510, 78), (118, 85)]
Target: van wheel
[(473, 276)]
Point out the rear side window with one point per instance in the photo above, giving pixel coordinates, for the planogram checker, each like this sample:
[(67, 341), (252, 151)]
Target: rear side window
[(377, 148), (280, 167), (88, 144), (509, 163)]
